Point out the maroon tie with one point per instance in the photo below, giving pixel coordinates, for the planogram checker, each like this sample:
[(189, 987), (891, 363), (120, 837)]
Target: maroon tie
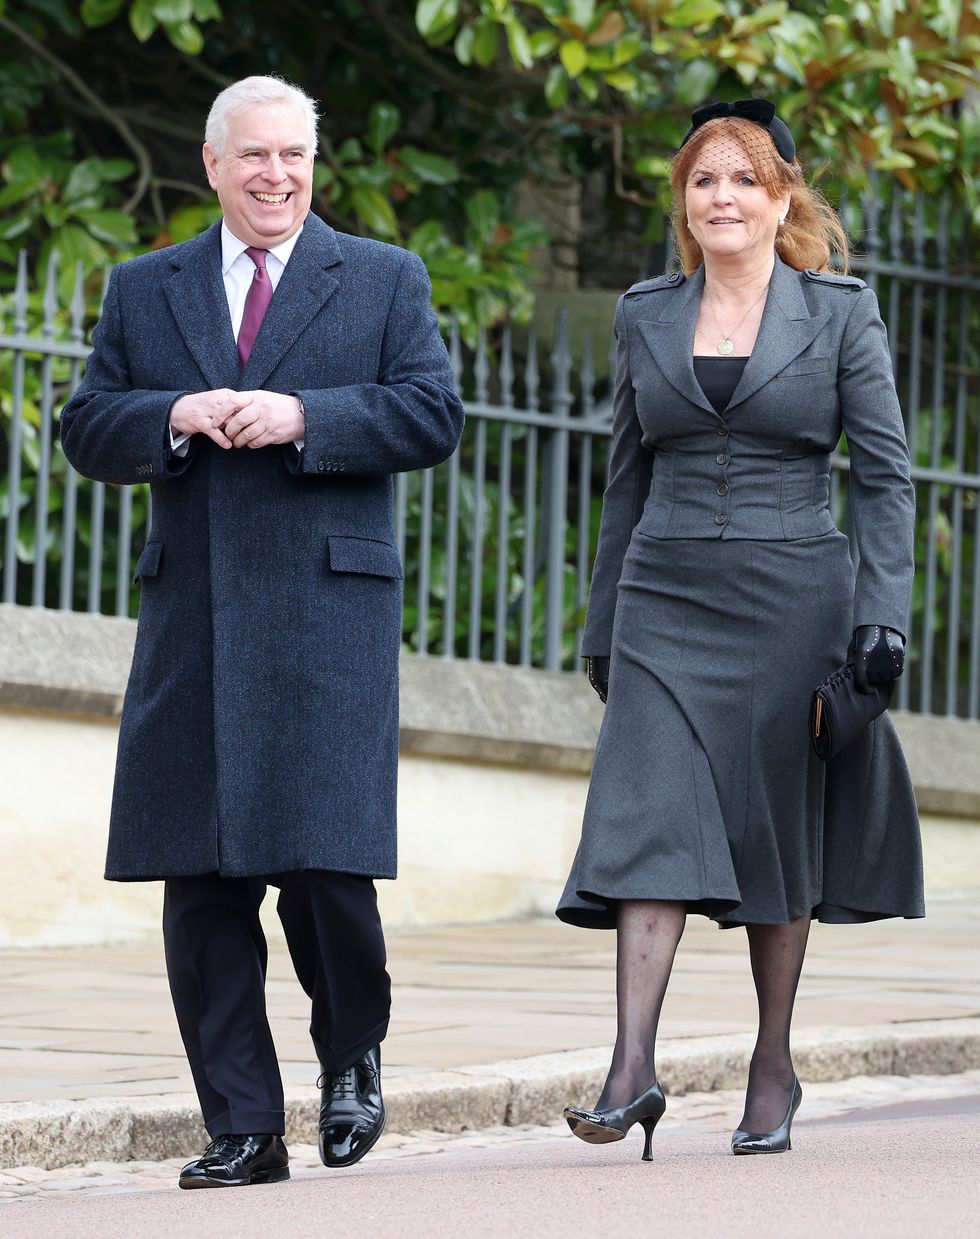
[(256, 304)]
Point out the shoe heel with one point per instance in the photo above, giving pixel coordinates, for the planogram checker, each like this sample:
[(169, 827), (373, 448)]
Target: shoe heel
[(279, 1175), (649, 1126)]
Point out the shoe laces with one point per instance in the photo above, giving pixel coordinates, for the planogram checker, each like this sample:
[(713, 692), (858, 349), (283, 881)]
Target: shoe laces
[(340, 1087), (223, 1144)]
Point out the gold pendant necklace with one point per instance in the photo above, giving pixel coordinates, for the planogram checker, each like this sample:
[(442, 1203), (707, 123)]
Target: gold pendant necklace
[(726, 344)]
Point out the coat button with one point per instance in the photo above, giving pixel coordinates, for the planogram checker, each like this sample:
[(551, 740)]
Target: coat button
[(722, 458), (723, 489), (721, 518), (723, 430), (673, 278), (320, 466)]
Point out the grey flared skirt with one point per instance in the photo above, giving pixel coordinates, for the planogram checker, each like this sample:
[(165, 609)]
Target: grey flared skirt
[(705, 787)]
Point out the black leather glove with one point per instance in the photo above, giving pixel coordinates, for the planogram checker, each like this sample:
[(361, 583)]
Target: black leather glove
[(878, 654), (599, 676)]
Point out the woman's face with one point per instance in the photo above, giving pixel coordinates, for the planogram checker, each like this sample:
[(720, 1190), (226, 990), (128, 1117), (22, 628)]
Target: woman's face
[(728, 212)]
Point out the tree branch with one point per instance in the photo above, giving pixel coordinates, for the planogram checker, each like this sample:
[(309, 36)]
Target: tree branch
[(100, 106)]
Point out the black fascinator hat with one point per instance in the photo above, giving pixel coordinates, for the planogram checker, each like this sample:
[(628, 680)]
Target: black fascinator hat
[(759, 111)]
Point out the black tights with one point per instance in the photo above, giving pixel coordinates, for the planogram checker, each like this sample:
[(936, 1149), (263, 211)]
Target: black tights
[(648, 932)]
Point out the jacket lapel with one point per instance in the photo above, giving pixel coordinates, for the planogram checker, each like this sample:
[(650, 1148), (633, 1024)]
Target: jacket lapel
[(670, 338), (785, 331), (304, 288), (196, 294)]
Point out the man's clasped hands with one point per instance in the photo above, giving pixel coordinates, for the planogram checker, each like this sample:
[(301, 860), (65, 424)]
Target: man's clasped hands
[(239, 418)]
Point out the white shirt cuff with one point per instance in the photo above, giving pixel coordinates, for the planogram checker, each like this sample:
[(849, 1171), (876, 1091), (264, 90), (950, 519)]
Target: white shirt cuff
[(178, 444)]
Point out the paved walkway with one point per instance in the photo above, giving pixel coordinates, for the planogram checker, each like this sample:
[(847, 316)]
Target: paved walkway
[(90, 1023)]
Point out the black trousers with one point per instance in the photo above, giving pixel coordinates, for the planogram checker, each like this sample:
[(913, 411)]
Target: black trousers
[(216, 961)]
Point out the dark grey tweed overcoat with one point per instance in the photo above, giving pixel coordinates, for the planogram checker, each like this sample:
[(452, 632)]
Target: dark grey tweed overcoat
[(260, 726), (724, 594)]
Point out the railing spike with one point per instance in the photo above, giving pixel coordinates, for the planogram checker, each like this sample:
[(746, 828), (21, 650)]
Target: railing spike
[(587, 376), (20, 294), (532, 375), (49, 303), (77, 309), (507, 369), (481, 368)]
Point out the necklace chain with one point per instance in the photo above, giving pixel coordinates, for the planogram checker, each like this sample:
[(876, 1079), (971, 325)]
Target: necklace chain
[(725, 344)]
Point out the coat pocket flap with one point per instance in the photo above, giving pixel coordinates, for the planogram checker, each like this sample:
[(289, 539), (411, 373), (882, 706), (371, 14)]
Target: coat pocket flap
[(807, 365), (364, 555), (148, 564)]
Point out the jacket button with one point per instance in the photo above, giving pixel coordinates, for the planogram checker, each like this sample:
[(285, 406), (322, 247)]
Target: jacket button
[(723, 489), (723, 430), (721, 518), (320, 466), (722, 458), (673, 278)]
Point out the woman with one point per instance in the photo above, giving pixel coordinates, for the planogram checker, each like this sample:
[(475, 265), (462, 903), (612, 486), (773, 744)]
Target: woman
[(723, 594)]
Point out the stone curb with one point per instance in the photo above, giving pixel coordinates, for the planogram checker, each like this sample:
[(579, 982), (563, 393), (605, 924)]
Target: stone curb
[(527, 1090)]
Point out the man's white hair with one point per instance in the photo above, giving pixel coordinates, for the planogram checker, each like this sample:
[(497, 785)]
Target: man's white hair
[(250, 91)]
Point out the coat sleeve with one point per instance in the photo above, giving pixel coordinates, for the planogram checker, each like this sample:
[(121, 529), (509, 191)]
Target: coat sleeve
[(411, 418), (111, 431), (630, 470), (881, 496)]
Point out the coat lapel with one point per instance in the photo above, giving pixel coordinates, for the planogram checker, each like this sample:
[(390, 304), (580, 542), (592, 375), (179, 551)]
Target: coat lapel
[(196, 294), (304, 288), (670, 338), (785, 331)]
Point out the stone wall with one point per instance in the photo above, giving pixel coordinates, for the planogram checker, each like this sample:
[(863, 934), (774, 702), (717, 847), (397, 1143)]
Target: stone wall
[(493, 777)]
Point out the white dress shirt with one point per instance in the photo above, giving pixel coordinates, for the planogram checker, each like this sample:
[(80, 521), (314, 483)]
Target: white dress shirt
[(237, 270)]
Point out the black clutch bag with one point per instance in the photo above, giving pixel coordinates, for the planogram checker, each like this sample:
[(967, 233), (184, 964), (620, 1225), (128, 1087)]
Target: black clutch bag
[(839, 711)]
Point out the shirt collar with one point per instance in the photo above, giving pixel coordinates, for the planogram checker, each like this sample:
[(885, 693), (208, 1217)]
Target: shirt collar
[(232, 248)]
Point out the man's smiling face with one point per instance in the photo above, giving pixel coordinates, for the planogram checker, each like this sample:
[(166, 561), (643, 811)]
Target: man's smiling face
[(264, 176)]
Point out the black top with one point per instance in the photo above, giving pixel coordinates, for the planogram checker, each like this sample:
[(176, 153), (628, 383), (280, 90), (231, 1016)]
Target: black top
[(719, 377)]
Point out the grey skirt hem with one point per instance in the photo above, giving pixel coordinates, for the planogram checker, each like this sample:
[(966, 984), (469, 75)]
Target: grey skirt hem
[(592, 911)]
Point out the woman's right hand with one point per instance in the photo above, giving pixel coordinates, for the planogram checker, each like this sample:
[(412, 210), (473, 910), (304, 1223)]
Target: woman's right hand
[(599, 676)]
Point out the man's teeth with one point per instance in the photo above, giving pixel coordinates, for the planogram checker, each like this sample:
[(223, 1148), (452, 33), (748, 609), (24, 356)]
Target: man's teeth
[(276, 198)]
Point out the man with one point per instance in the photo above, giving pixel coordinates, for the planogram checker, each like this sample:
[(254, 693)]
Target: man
[(267, 378)]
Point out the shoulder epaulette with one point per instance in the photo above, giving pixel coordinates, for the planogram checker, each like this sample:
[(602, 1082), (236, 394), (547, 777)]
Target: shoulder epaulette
[(828, 277), (673, 280)]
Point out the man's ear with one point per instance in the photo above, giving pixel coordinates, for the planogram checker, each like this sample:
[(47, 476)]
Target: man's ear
[(210, 164)]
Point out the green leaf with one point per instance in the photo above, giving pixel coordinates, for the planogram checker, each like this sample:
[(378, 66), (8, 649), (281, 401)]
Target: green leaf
[(141, 20), (375, 210), (114, 227), (889, 163), (207, 10), (485, 42), (436, 19), (582, 12), (483, 213), (574, 57), (185, 36), (519, 44), (172, 10), (543, 43), (432, 169), (652, 165), (113, 169), (692, 13), (17, 191), (15, 226), (99, 12), (83, 182), (556, 88), (349, 151), (695, 82), (620, 79), (383, 122), (589, 87), (463, 47)]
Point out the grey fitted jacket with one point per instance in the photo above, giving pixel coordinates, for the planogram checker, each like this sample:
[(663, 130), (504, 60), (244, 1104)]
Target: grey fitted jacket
[(820, 367)]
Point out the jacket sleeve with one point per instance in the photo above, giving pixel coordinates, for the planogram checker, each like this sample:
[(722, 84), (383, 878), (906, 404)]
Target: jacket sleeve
[(111, 431), (630, 471), (881, 496), (411, 418)]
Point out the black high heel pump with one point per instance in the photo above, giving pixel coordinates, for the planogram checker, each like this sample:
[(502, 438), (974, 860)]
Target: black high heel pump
[(605, 1126), (777, 1141)]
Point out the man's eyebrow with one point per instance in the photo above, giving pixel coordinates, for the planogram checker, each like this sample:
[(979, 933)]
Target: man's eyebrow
[(246, 148)]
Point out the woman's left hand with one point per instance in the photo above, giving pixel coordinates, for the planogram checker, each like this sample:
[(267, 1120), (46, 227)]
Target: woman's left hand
[(879, 655)]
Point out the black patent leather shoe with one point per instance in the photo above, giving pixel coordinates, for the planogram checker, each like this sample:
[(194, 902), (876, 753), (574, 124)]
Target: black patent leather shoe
[(776, 1141), (612, 1123), (352, 1111), (238, 1161)]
